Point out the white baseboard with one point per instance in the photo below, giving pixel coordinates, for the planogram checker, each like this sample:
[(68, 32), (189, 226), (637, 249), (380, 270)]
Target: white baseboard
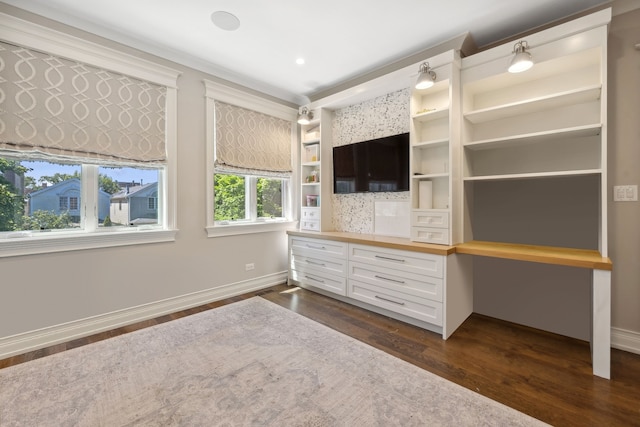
[(33, 340), (625, 340)]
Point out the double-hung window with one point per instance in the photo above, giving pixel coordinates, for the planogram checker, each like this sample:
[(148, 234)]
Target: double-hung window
[(249, 158), (84, 130)]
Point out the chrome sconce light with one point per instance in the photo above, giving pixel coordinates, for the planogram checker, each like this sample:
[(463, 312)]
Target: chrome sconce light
[(426, 77), (522, 58), (305, 116)]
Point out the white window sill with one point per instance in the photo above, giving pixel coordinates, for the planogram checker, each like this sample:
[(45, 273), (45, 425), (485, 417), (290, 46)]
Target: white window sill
[(232, 229), (39, 243)]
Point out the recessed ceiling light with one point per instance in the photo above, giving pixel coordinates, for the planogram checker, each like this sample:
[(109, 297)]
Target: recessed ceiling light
[(225, 20), (300, 61)]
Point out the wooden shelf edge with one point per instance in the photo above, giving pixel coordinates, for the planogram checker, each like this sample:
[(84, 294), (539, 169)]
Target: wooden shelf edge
[(582, 258)]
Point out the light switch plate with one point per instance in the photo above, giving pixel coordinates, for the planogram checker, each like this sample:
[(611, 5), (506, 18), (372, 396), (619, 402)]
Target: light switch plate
[(625, 193)]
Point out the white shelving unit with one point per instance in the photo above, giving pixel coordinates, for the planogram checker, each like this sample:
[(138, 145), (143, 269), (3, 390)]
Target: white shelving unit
[(434, 136), (315, 172), (545, 123), (534, 147)]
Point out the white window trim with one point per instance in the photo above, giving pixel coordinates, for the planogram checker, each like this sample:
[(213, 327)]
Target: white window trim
[(217, 91), (34, 36)]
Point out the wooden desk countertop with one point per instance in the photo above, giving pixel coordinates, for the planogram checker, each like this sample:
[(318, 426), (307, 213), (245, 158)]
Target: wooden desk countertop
[(375, 240), (583, 258)]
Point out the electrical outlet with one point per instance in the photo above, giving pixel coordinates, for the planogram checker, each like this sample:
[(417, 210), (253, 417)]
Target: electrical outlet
[(625, 193), (249, 266)]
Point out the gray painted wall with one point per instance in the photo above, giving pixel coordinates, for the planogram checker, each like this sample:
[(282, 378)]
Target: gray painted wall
[(49, 289)]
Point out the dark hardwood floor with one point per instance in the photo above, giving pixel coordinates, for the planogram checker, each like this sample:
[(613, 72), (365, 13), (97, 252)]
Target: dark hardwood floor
[(541, 374)]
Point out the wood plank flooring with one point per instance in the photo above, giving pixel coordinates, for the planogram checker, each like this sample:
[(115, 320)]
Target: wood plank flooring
[(541, 374)]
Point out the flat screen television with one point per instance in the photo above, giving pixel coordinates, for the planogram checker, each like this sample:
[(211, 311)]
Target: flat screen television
[(376, 165)]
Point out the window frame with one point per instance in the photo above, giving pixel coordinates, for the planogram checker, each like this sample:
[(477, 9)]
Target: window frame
[(24, 33), (251, 201), (220, 92)]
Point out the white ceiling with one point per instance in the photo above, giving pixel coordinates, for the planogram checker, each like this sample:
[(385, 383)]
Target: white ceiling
[(339, 39)]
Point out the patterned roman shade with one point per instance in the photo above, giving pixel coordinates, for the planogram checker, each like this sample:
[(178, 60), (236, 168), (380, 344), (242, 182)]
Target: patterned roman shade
[(251, 143), (62, 110)]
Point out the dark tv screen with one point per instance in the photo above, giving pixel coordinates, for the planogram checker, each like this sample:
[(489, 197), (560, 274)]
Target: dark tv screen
[(376, 165)]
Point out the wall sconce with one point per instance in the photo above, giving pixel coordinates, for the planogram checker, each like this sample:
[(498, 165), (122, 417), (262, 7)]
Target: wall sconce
[(426, 78), (305, 116), (522, 59)]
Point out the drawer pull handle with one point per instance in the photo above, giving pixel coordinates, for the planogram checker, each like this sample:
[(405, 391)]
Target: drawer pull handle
[(321, 264), (389, 258), (389, 300), (390, 280), (316, 247), (313, 278)]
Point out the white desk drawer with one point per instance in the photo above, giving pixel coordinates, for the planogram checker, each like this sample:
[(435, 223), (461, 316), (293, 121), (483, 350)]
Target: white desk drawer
[(414, 262), (439, 236), (313, 247), (328, 282), (412, 284), (323, 265), (435, 219), (310, 224), (310, 213), (409, 305)]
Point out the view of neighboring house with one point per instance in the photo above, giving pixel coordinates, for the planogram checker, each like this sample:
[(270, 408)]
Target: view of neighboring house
[(135, 205), (65, 197)]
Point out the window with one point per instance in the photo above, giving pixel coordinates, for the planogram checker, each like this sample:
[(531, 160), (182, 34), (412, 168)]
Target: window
[(249, 168), (73, 203), (234, 199), (90, 148)]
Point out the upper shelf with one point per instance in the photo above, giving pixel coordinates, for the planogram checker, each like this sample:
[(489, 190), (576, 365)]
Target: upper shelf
[(432, 115), (556, 134), (431, 143), (531, 105), (316, 163)]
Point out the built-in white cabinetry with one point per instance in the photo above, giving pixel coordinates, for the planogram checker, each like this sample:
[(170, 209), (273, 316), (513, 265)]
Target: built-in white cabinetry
[(544, 128), (534, 168), (394, 276), (315, 172), (318, 263), (434, 136), (404, 282)]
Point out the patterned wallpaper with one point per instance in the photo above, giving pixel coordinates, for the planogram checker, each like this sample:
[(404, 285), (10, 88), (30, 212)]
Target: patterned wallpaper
[(375, 118)]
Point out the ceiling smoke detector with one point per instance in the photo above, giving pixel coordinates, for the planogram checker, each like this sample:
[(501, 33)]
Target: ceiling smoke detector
[(225, 20)]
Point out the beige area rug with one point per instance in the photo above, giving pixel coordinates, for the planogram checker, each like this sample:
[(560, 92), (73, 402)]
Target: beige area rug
[(251, 363)]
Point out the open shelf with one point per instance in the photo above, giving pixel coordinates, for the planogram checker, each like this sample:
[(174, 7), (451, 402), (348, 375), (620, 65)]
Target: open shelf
[(535, 137), (432, 115), (582, 258), (534, 175), (556, 100), (432, 143), (430, 176)]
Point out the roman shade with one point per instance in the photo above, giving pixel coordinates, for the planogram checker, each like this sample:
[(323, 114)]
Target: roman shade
[(62, 110), (251, 143)]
